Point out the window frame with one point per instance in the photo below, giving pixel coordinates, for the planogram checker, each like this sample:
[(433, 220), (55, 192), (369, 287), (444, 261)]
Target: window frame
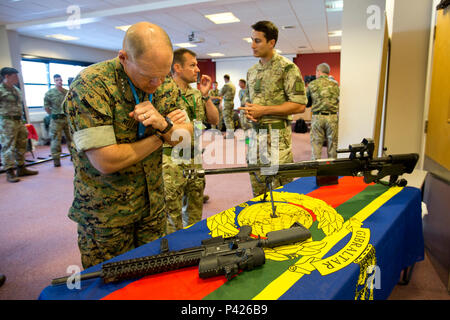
[(49, 84)]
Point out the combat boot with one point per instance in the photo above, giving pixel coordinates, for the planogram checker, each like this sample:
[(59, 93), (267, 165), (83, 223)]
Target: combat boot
[(22, 171), (57, 162), (11, 176)]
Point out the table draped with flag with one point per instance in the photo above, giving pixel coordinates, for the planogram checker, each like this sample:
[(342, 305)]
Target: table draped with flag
[(363, 236)]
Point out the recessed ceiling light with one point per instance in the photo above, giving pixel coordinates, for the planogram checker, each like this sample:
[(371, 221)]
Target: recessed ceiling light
[(61, 37), (185, 45), (335, 33), (278, 51), (221, 18), (215, 54), (288, 27), (336, 47), (333, 6), (123, 28), (249, 40)]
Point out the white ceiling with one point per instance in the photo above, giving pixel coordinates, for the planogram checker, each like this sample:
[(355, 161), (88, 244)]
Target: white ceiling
[(38, 18)]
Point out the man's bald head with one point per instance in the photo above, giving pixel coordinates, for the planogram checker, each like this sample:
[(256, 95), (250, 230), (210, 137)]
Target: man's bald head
[(146, 56), (142, 37)]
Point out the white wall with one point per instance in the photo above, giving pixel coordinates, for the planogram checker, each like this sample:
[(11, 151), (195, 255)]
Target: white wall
[(237, 69), (361, 55), (410, 46), (65, 51)]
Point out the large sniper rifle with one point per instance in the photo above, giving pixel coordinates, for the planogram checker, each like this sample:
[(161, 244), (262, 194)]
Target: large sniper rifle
[(215, 256), (360, 163)]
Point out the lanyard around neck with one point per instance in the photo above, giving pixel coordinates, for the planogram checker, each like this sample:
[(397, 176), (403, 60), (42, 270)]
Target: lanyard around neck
[(141, 127), (195, 105)]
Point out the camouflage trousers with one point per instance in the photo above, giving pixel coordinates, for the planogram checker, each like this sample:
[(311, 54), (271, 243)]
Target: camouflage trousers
[(184, 197), (100, 244), (219, 126), (57, 127), (13, 138), (324, 128), (228, 113), (262, 147)]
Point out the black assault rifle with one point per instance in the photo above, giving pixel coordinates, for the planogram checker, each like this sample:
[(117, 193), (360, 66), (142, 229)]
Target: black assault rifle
[(215, 256), (360, 163)]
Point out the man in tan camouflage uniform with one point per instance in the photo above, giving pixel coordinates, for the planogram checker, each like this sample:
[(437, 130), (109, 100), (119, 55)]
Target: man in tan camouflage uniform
[(243, 96), (216, 99), (13, 133), (58, 124), (324, 96), (276, 91), (185, 196), (227, 92), (118, 186)]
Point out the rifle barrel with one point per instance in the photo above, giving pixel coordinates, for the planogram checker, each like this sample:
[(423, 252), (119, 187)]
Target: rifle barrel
[(85, 276)]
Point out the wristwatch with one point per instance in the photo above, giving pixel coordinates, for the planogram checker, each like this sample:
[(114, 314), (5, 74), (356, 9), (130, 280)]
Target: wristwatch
[(169, 126), (205, 98)]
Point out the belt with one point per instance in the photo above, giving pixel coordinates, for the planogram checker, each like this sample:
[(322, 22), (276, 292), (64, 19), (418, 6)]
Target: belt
[(168, 151), (275, 125), (12, 117), (58, 116), (324, 113)]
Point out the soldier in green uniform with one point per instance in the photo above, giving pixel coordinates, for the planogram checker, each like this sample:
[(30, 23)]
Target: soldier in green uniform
[(227, 92), (323, 94), (216, 99), (276, 91), (243, 96), (118, 186), (13, 133), (185, 196), (58, 124)]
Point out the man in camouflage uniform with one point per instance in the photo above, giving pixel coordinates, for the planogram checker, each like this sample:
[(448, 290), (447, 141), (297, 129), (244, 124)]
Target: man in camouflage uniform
[(118, 186), (13, 133), (185, 196), (58, 124), (323, 93), (243, 96), (216, 99), (276, 91), (227, 92)]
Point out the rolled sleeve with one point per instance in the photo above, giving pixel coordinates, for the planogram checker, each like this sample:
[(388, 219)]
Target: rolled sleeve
[(95, 137)]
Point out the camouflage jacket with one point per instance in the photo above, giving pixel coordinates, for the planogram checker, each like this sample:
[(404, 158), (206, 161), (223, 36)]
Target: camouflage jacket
[(97, 105), (228, 91), (274, 83), (324, 94), (54, 99), (190, 100), (242, 94), (10, 101), (215, 93)]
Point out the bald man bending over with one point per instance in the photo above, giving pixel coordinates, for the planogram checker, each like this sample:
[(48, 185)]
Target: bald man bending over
[(120, 113)]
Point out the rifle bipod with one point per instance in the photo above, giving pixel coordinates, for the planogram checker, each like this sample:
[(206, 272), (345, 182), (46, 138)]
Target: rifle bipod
[(268, 185)]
